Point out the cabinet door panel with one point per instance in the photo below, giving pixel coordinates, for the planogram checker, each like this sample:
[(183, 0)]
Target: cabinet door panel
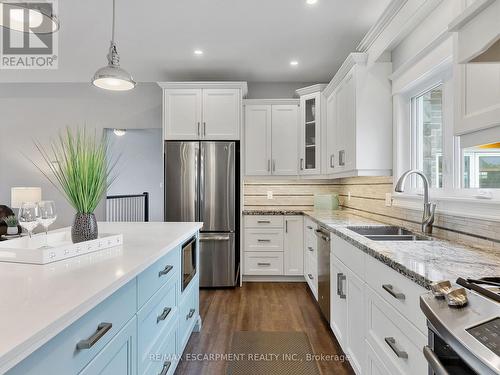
[(346, 124), (284, 139), (118, 356), (338, 304), (355, 321), (257, 140), (293, 245), (309, 162), (221, 114), (331, 132), (182, 114)]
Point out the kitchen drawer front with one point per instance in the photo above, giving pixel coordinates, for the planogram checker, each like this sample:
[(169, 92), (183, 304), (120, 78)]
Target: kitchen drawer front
[(350, 255), (263, 239), (155, 318), (118, 356), (189, 311), (311, 274), (165, 354), (399, 291), (157, 275), (396, 341), (258, 263), (309, 227), (264, 221), (61, 355)]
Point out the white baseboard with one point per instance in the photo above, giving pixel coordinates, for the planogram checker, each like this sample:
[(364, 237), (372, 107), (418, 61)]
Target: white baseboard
[(273, 279)]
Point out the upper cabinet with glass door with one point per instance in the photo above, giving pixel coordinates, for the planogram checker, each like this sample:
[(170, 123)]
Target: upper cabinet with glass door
[(310, 130)]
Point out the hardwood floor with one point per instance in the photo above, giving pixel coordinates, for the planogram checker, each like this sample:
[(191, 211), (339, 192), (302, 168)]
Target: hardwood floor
[(258, 307)]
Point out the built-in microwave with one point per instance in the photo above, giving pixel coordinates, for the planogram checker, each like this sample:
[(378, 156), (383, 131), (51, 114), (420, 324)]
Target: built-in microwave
[(189, 262)]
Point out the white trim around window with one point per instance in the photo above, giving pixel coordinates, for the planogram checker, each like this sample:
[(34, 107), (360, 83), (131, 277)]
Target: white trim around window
[(434, 69)]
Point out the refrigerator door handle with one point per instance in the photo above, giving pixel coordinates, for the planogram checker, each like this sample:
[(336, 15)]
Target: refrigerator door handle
[(201, 184)]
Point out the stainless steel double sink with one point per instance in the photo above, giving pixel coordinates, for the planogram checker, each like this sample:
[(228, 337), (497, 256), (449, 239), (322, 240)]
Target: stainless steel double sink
[(388, 233)]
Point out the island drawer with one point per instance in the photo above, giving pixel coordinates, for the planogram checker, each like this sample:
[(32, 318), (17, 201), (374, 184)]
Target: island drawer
[(188, 313), (264, 221), (264, 240), (393, 338), (397, 290), (165, 355), (155, 318), (157, 275), (72, 349), (259, 263), (350, 255)]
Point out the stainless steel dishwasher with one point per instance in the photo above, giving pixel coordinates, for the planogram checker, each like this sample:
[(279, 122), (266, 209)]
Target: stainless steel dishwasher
[(323, 236)]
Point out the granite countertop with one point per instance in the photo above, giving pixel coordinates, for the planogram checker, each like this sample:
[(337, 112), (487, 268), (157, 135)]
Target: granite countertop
[(39, 301), (424, 262)]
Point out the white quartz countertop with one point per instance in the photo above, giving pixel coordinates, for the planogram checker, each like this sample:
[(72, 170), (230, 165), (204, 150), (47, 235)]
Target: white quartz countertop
[(39, 301)]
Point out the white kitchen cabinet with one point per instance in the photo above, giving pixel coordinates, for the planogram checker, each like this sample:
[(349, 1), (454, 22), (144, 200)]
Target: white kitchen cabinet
[(221, 114), (202, 110), (273, 245), (338, 300), (310, 129), (285, 140), (258, 140), (271, 138), (358, 120), (294, 244), (311, 256), (347, 311), (182, 113)]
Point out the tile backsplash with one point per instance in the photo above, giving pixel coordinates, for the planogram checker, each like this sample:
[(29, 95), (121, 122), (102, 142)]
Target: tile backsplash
[(367, 198)]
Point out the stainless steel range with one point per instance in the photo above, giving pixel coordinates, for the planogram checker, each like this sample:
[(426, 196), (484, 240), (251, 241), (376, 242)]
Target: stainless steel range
[(465, 339)]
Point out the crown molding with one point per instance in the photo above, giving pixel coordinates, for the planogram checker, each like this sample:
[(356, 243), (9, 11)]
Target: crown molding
[(469, 13), (243, 86), (311, 89), (384, 20), (284, 101), (355, 58)]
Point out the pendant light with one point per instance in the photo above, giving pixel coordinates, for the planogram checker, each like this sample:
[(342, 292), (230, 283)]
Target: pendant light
[(113, 77), (40, 18)]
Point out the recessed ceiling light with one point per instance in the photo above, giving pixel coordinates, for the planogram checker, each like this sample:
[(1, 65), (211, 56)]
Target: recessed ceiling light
[(198, 52), (294, 63), (311, 2)]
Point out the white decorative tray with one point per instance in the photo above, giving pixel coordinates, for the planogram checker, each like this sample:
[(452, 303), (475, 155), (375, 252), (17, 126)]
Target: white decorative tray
[(59, 246)]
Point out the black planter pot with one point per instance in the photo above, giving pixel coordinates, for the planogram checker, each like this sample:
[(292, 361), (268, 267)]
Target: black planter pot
[(84, 228)]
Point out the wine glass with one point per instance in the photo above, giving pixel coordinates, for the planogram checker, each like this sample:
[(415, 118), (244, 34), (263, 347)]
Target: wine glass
[(46, 216), (28, 216)]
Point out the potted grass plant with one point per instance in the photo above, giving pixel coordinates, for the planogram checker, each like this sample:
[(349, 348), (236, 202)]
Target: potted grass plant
[(11, 222), (77, 167)]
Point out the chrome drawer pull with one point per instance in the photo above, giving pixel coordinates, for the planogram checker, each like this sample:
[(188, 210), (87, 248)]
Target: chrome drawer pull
[(310, 276), (434, 362), (163, 315), (263, 222), (263, 240), (309, 227), (340, 286), (263, 264), (166, 367), (101, 331), (391, 341), (166, 270), (390, 289), (310, 248), (190, 315)]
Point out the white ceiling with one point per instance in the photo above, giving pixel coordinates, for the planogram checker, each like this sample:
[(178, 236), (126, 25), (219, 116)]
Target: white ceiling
[(250, 40)]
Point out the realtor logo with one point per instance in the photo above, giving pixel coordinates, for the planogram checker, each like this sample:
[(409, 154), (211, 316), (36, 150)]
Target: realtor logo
[(29, 35)]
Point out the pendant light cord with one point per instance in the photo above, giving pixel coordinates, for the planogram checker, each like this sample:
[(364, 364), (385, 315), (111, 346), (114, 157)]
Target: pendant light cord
[(113, 27)]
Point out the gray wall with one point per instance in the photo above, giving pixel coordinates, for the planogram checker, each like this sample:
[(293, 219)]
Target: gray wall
[(140, 166), (40, 111)]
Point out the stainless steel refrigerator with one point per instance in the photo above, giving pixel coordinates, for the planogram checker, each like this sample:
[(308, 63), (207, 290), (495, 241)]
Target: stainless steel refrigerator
[(202, 184)]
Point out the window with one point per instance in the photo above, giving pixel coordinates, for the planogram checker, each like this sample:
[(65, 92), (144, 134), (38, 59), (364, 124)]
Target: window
[(481, 167), (427, 134)]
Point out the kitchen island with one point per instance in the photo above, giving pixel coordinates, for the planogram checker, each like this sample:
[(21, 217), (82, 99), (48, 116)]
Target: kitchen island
[(122, 309)]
